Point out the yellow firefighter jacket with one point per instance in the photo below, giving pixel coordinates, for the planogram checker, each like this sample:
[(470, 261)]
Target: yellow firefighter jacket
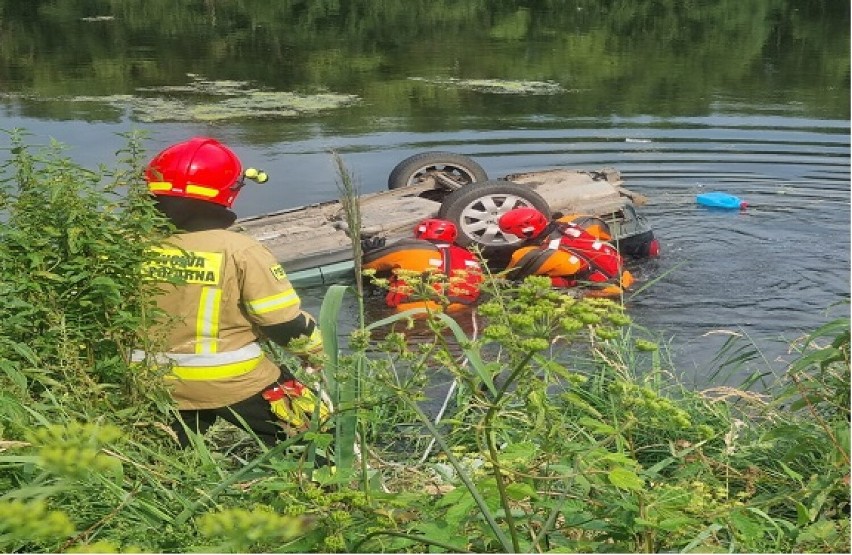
[(219, 287)]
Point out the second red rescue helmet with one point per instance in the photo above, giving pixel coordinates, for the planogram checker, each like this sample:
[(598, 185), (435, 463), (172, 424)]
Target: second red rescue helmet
[(523, 222), (435, 229), (200, 168)]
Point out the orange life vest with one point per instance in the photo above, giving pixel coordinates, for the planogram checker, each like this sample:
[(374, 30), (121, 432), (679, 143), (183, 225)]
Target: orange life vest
[(455, 273), (571, 255)]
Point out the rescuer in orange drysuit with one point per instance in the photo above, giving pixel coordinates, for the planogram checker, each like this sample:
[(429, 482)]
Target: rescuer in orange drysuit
[(225, 293), (453, 273), (571, 250)]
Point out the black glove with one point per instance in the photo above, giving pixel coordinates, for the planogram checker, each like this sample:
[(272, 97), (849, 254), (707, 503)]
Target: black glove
[(372, 243)]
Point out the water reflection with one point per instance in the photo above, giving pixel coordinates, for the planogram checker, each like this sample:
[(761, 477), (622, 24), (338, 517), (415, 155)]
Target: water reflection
[(418, 68)]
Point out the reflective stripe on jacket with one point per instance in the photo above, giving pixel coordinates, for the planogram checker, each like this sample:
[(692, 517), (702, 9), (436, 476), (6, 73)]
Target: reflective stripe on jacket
[(216, 366)]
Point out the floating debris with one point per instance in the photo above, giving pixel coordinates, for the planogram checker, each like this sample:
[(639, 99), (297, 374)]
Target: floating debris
[(498, 86)]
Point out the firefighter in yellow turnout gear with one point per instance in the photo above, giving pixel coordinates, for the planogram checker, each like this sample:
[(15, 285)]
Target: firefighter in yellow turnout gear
[(225, 293)]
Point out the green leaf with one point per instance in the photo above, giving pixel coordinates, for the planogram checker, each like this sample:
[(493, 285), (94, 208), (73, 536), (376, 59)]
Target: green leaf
[(441, 530), (346, 424), (790, 472), (597, 426), (700, 538), (25, 352), (460, 511), (517, 452), (676, 523), (625, 479), (745, 526), (802, 516), (822, 531), (645, 523), (16, 377), (583, 484), (73, 239), (104, 281), (619, 458), (471, 353), (817, 358), (577, 401), (654, 471), (844, 438), (47, 275), (519, 491)]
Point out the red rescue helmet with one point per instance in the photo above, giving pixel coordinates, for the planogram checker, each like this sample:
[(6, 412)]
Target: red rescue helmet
[(435, 229), (200, 168), (523, 222)]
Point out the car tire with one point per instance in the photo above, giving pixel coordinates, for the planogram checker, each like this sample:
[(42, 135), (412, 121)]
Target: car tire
[(476, 209), (449, 170)]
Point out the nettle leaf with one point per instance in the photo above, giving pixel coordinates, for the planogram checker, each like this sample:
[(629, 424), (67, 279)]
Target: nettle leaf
[(625, 479)]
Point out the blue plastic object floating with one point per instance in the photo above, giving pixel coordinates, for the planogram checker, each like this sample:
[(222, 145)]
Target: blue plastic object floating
[(717, 199)]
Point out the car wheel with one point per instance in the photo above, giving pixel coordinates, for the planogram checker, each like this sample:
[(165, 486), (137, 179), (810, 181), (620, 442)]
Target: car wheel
[(476, 209), (444, 169)]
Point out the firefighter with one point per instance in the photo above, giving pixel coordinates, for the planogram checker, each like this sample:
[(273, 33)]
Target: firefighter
[(572, 251), (224, 293), (433, 258)]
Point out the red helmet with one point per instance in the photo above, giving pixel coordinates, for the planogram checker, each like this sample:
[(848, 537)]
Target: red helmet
[(523, 222), (434, 229), (200, 168)]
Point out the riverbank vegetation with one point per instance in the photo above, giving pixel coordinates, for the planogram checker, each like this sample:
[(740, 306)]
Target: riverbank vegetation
[(563, 427)]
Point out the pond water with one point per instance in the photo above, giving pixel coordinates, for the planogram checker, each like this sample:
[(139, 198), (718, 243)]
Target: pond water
[(747, 98)]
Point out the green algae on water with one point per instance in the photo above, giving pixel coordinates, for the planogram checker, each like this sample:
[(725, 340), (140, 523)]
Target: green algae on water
[(205, 100), (497, 86)]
